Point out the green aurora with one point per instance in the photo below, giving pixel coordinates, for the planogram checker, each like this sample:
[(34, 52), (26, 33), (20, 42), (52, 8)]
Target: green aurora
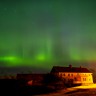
[(42, 33)]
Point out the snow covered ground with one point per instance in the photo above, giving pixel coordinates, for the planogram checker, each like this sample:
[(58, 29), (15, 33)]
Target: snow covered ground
[(86, 86), (88, 90)]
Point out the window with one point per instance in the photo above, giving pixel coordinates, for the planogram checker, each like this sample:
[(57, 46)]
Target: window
[(68, 74), (84, 79), (75, 79)]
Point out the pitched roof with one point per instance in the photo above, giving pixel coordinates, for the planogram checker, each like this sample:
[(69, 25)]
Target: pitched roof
[(69, 69)]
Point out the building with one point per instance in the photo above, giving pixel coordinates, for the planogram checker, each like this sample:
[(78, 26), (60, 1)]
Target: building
[(74, 75), (30, 79)]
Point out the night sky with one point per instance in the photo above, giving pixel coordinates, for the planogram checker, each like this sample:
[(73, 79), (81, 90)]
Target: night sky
[(43, 33)]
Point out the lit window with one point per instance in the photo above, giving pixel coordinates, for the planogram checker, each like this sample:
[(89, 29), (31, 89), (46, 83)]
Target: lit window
[(84, 79), (75, 79)]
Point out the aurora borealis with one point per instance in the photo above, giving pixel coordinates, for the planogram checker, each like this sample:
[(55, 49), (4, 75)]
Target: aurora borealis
[(42, 33)]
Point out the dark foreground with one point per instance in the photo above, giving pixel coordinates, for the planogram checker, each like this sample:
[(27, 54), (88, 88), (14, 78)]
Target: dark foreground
[(78, 92), (13, 87)]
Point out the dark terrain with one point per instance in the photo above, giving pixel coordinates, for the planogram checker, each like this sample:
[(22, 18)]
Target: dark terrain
[(13, 87)]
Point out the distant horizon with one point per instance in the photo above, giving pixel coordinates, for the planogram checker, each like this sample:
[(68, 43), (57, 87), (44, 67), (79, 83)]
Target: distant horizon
[(30, 69)]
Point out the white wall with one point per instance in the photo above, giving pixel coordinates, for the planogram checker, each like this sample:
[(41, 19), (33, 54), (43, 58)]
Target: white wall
[(85, 77)]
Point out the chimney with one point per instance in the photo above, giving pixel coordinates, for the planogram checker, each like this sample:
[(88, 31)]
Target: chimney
[(80, 67), (70, 66)]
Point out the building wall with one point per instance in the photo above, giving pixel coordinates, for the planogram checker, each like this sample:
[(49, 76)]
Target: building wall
[(86, 78), (83, 78)]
